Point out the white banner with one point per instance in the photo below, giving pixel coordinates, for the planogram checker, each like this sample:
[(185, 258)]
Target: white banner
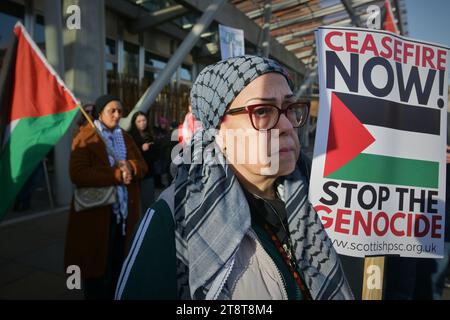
[(231, 42)]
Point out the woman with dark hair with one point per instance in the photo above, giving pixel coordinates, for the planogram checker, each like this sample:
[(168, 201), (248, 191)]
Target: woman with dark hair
[(163, 146), (89, 108), (144, 140), (98, 236)]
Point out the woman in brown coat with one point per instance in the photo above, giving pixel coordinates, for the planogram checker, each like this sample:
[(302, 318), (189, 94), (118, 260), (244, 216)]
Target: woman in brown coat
[(97, 238)]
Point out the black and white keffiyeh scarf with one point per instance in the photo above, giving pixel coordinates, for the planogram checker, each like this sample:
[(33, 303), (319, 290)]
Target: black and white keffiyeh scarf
[(211, 211), (116, 144)]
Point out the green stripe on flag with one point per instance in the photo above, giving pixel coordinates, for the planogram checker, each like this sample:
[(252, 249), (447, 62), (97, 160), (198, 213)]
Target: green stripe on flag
[(29, 143), (389, 170)]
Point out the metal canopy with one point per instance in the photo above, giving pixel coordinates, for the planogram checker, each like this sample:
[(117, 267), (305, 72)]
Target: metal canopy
[(290, 32), (232, 16), (294, 21), (282, 29), (155, 18)]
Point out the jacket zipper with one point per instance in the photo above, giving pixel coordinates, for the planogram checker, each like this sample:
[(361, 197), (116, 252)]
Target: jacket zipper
[(228, 267), (258, 243), (227, 275)]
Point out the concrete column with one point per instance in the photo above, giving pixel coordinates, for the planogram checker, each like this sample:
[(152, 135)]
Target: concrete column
[(194, 71), (265, 39), (120, 56), (85, 74), (84, 51), (141, 62), (54, 51), (29, 17)]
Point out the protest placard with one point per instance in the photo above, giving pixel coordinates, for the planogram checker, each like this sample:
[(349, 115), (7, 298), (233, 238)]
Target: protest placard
[(378, 175)]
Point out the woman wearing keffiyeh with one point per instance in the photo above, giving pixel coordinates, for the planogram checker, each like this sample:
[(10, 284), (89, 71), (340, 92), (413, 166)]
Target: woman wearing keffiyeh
[(236, 222)]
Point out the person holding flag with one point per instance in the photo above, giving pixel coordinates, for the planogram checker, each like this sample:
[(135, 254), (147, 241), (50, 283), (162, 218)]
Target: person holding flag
[(97, 237), (36, 109)]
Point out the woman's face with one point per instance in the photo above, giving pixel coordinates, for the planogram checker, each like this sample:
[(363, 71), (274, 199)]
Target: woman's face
[(270, 153), (141, 122), (111, 114)]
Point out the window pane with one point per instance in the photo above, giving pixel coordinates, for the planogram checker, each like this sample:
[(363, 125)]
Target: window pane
[(131, 57), (185, 74), (110, 47), (154, 61), (148, 78), (39, 32), (10, 13), (111, 67)]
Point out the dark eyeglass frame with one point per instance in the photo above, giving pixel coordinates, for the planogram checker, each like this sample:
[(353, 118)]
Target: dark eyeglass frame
[(249, 110)]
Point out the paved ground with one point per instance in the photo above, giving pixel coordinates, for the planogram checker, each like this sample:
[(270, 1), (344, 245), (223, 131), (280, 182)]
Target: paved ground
[(32, 252), (31, 259)]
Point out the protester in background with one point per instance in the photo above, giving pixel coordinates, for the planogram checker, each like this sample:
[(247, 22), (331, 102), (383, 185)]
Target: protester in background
[(163, 144), (235, 230), (89, 108), (97, 238), (190, 126), (144, 140), (24, 197)]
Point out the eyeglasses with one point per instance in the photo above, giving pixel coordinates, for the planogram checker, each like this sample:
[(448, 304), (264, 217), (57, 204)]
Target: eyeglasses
[(266, 116)]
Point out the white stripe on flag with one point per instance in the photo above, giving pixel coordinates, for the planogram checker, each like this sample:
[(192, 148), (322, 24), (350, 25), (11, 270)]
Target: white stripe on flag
[(9, 129), (404, 144)]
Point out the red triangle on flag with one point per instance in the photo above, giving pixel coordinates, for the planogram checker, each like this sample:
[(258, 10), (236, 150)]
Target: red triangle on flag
[(38, 91), (347, 137)]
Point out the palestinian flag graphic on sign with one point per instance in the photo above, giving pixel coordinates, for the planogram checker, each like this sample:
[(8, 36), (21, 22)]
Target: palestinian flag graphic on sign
[(359, 123)]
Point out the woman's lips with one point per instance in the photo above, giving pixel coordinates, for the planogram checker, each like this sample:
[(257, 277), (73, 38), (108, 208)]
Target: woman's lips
[(284, 150)]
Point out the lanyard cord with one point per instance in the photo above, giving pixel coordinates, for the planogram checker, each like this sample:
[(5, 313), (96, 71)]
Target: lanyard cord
[(291, 264), (285, 249)]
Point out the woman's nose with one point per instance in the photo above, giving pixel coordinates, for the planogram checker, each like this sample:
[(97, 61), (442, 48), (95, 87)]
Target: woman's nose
[(284, 124)]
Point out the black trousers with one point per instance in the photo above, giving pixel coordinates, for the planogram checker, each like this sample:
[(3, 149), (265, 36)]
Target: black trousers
[(104, 288)]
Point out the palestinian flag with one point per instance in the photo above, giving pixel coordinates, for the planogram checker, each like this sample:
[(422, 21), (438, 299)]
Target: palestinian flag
[(389, 23), (36, 109), (373, 140)]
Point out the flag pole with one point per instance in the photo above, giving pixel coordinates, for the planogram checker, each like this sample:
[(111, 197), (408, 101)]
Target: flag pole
[(374, 278)]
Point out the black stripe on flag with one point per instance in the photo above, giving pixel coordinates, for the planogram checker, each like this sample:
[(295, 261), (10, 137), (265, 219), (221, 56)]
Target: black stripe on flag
[(394, 115)]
